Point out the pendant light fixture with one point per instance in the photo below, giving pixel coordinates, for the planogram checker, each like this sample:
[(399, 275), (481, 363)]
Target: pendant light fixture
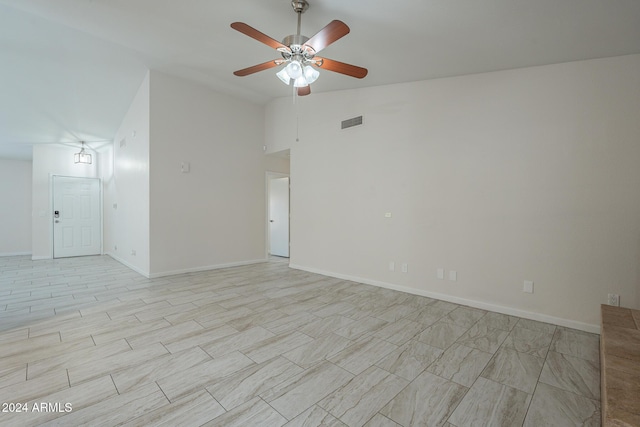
[(82, 156)]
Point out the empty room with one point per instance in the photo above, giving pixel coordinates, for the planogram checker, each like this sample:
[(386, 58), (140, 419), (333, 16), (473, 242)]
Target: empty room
[(310, 213)]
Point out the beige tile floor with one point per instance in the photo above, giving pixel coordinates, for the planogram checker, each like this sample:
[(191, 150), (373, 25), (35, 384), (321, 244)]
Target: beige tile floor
[(266, 345)]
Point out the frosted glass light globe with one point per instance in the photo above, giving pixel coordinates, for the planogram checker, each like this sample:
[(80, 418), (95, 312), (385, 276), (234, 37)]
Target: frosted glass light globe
[(294, 69)]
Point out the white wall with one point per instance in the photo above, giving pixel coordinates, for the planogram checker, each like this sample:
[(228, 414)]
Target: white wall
[(51, 160), (214, 215), (15, 197), (528, 174), (126, 185)]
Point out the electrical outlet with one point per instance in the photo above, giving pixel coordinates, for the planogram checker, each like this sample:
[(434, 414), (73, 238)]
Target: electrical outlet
[(440, 273), (392, 266), (453, 275), (614, 299), (405, 267), (133, 252)]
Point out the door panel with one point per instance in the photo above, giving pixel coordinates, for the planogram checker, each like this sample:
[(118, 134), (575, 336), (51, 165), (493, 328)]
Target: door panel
[(77, 228), (67, 237)]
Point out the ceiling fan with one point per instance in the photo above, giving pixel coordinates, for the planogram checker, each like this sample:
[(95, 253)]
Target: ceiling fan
[(299, 53)]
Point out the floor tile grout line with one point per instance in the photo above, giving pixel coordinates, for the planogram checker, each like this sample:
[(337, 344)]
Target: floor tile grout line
[(570, 392), (397, 394), (114, 384), (216, 400), (278, 412), (129, 344), (165, 394), (537, 382), (453, 410)]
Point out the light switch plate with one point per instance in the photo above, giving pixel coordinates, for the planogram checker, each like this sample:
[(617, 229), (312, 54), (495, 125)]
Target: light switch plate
[(453, 275), (527, 286)]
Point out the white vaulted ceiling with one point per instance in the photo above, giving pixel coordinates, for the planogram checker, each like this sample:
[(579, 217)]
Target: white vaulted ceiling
[(70, 68)]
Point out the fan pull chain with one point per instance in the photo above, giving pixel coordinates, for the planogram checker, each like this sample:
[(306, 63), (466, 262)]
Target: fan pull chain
[(297, 108)]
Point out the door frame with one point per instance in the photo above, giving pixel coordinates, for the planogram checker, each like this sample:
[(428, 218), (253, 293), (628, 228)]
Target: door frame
[(269, 176), (51, 205)]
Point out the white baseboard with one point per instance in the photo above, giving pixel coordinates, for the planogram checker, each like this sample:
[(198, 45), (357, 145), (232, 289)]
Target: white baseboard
[(40, 258), (587, 327), (128, 265), (186, 270), (7, 254), (206, 268)]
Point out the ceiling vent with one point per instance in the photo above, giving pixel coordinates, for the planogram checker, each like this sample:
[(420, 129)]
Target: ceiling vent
[(356, 121)]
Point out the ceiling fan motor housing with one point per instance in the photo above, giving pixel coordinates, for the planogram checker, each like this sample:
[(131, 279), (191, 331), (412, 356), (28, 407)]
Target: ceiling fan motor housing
[(299, 51), (299, 6), (295, 39)]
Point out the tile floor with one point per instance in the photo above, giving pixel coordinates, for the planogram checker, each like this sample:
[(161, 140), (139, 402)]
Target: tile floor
[(266, 345)]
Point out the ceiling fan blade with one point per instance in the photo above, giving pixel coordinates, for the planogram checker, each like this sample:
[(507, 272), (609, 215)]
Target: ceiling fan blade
[(259, 67), (333, 31), (341, 67), (305, 90), (261, 37)]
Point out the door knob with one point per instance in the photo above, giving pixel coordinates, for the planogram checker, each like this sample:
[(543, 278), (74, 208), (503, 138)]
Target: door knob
[(270, 220), (57, 221)]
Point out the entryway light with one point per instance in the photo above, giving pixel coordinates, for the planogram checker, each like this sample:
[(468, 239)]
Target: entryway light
[(82, 157)]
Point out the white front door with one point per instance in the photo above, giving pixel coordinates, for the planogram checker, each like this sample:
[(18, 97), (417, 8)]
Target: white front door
[(76, 217), (279, 217)]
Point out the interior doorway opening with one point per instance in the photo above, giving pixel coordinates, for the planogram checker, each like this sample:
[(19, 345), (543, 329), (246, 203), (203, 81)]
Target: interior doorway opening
[(278, 215)]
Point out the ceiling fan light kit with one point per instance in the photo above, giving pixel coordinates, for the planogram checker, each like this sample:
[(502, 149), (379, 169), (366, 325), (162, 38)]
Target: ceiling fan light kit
[(299, 53), (294, 69), (310, 74), (282, 75)]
